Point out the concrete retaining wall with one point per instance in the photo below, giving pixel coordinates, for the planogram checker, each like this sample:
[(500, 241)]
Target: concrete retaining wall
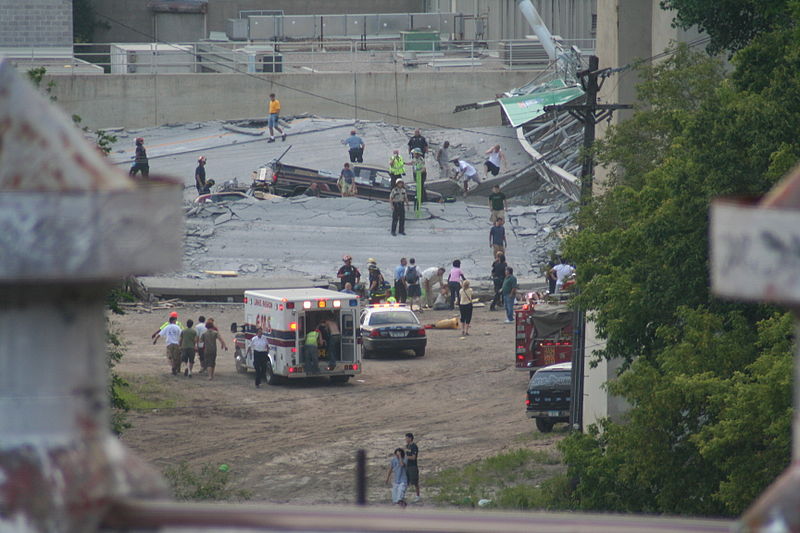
[(425, 99)]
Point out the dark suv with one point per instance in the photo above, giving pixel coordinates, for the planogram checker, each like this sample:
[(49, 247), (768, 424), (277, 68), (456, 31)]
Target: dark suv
[(549, 395)]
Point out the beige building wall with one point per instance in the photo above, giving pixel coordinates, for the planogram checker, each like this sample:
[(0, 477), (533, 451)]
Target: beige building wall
[(627, 30)]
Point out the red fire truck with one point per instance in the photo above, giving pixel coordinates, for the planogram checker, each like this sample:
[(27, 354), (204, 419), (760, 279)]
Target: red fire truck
[(544, 335)]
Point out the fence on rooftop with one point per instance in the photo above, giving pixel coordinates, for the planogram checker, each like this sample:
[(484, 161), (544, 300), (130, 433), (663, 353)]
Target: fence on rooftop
[(213, 57)]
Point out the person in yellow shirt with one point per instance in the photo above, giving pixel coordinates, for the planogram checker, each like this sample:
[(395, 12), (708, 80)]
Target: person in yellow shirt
[(274, 112)]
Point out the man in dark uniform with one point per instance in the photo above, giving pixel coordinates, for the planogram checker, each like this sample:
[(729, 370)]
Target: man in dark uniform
[(348, 273), (418, 141), (412, 451), (200, 175)]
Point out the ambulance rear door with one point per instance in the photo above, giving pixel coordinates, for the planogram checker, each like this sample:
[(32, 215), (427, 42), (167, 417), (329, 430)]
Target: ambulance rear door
[(348, 325)]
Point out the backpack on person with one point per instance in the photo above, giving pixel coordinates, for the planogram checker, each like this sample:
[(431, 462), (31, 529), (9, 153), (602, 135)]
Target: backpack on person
[(412, 276)]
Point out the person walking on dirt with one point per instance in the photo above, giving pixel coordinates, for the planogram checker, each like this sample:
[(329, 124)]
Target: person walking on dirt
[(400, 281), (260, 348), (165, 324), (399, 200), (412, 470), (355, 147), (399, 477), (172, 336), (348, 273), (210, 338), (465, 306), (200, 175), (509, 294), (140, 161), (201, 328), (498, 276), (188, 347), (274, 114)]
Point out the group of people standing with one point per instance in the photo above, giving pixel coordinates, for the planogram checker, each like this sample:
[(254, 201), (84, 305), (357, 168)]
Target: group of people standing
[(184, 342), (410, 283)]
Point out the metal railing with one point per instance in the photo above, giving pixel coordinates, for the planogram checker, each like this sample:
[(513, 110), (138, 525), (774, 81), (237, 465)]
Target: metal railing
[(309, 56)]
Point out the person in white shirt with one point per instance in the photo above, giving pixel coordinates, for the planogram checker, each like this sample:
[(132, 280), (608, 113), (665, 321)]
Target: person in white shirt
[(430, 277), (563, 271), (172, 335), (495, 158), (260, 348), (467, 172), (201, 328)]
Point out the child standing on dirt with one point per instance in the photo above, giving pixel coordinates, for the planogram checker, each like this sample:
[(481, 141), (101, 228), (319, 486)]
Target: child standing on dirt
[(397, 473)]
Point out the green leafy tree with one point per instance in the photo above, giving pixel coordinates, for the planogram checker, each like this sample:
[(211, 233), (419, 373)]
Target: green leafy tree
[(731, 24), (708, 381)]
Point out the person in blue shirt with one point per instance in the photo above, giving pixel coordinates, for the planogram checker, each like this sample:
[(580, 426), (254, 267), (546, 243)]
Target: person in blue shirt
[(400, 281), (355, 147), (398, 475)]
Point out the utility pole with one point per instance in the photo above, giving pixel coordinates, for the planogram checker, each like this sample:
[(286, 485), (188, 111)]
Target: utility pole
[(589, 114)]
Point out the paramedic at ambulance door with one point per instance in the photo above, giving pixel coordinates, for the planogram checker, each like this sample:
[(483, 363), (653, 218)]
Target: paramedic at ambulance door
[(333, 342), (311, 351), (260, 348)]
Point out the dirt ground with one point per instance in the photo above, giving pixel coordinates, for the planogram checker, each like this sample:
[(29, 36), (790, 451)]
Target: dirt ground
[(296, 442)]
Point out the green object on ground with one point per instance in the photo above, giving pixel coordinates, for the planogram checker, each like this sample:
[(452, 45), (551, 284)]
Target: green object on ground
[(224, 468)]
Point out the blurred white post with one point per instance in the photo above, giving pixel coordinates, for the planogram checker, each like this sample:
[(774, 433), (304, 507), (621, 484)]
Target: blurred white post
[(71, 225)]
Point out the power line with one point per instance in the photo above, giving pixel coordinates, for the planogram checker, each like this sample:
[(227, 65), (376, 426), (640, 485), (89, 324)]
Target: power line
[(607, 72)]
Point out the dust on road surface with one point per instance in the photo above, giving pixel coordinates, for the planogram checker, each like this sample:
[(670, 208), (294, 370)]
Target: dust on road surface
[(296, 443)]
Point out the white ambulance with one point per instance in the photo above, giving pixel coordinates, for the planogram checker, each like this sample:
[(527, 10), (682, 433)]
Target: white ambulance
[(286, 316)]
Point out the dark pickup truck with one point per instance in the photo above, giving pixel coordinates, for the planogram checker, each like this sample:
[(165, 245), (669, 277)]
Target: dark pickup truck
[(548, 397), (372, 183)]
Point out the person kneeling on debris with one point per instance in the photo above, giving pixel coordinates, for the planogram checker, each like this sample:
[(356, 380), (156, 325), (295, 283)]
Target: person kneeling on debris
[(311, 347), (442, 301)]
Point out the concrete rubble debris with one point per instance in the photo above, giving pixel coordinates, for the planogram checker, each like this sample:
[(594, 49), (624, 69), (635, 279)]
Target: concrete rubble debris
[(306, 236)]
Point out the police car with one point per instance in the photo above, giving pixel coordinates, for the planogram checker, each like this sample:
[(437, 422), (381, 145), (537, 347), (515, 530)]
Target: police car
[(391, 327)]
